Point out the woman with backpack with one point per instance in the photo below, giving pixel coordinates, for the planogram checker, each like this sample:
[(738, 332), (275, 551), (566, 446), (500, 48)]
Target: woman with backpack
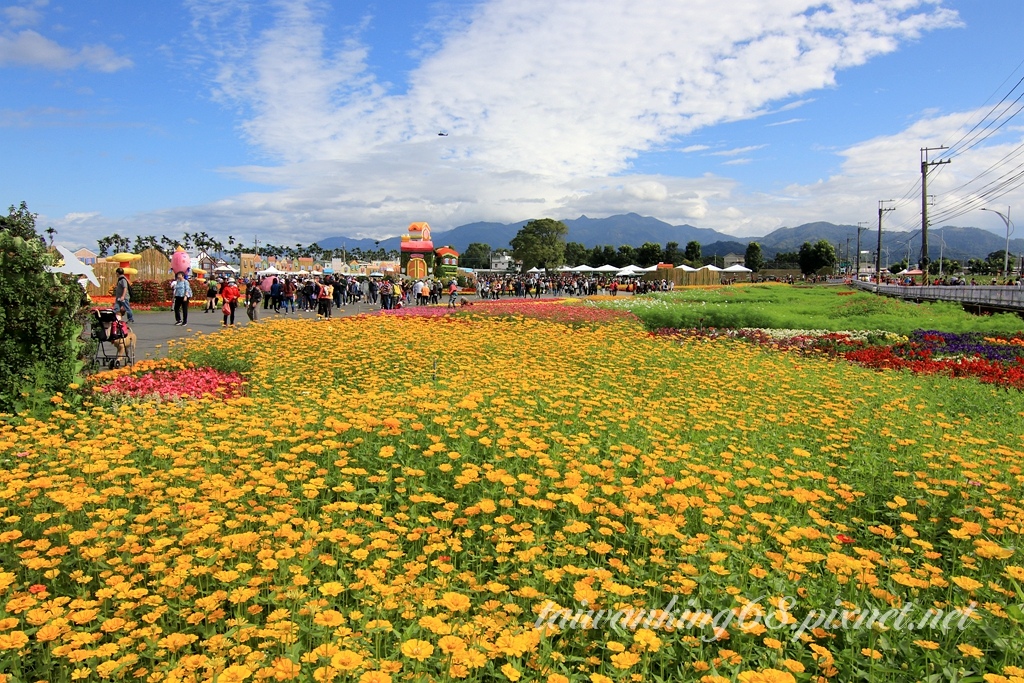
[(212, 290)]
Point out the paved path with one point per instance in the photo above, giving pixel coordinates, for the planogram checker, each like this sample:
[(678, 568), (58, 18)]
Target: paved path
[(156, 329)]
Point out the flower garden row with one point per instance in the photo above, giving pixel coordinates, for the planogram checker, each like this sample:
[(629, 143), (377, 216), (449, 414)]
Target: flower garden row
[(991, 359), (405, 497)]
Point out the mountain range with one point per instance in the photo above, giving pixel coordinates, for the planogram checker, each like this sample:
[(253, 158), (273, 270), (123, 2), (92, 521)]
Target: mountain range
[(960, 243)]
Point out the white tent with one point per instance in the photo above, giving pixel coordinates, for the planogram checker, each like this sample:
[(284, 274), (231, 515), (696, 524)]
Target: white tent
[(225, 269), (711, 267), (737, 268), (606, 268), (271, 270), (583, 269), (565, 269), (632, 268), (649, 269), (686, 269), (535, 269), (627, 272)]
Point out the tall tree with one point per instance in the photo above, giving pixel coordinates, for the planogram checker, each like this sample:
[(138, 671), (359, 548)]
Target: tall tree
[(601, 255), (477, 255), (692, 252), (575, 254), (814, 257), (648, 254), (540, 243), (753, 258), (626, 256), (672, 254)]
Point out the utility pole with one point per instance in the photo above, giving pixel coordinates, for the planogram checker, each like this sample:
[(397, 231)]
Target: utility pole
[(860, 226), (878, 255), (847, 255), (925, 164)]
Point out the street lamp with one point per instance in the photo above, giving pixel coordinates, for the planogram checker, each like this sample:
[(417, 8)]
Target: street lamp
[(1009, 231)]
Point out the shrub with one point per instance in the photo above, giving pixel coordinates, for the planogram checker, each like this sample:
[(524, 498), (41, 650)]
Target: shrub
[(41, 314)]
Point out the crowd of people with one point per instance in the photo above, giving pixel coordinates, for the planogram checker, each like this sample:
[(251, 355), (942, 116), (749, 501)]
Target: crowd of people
[(288, 294)]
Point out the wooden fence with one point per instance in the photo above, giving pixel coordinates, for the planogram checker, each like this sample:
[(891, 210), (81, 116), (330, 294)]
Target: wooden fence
[(152, 266), (697, 278)]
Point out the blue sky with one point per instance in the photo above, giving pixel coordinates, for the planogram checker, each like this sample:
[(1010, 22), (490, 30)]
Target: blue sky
[(295, 120)]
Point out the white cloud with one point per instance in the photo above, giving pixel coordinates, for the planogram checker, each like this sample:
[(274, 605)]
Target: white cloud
[(737, 151), (29, 48), (547, 104)]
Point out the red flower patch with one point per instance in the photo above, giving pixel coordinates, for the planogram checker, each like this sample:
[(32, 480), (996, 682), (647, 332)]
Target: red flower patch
[(168, 384)]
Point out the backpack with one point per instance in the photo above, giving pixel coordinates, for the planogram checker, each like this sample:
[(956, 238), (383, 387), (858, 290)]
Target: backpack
[(256, 295)]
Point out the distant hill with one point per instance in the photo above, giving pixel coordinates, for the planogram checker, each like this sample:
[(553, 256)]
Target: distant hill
[(961, 243)]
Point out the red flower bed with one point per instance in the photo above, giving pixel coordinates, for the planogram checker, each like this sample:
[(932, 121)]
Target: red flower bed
[(186, 383), (921, 361)]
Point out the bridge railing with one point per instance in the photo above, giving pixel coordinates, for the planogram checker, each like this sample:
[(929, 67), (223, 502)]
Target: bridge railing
[(998, 296)]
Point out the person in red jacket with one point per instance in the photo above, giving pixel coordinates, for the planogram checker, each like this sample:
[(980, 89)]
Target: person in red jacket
[(230, 294)]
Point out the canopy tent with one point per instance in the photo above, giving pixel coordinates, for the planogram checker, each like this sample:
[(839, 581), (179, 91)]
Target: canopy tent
[(737, 268), (226, 269), (565, 269), (711, 267), (535, 269), (606, 268), (627, 272), (271, 270), (584, 268), (686, 269)]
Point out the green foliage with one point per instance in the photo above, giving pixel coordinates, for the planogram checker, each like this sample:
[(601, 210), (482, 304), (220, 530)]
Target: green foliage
[(218, 359), (540, 243), (814, 257), (821, 308), (753, 258), (626, 256), (672, 254), (648, 254), (41, 314), (601, 255), (692, 252), (477, 255), (575, 254)]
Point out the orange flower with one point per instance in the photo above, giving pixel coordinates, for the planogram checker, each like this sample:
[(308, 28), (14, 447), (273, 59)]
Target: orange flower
[(417, 649)]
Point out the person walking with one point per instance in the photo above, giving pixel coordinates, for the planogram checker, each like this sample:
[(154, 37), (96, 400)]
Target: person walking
[(182, 295), (453, 293), (254, 294), (212, 290), (122, 296), (230, 294)]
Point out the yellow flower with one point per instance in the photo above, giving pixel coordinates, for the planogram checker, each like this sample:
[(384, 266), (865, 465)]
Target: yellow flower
[(375, 677), (331, 588), (511, 673), (624, 660), (455, 602), (926, 644), (329, 618), (766, 676), (417, 649), (234, 674), (970, 651), (346, 660)]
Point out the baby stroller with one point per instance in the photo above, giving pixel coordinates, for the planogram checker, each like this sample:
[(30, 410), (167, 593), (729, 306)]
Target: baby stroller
[(116, 340)]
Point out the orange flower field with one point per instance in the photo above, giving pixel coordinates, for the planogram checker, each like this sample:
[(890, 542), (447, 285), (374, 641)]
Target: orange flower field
[(488, 499)]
